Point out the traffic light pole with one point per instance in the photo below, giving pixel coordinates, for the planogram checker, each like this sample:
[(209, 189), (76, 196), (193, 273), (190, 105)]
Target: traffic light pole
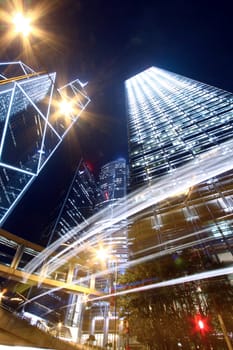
[(227, 340)]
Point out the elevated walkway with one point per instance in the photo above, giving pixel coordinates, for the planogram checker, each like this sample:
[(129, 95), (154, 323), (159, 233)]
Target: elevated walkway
[(13, 267)]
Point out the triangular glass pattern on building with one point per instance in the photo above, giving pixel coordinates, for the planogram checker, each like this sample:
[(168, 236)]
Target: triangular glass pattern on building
[(25, 118), (17, 69), (28, 139), (75, 94), (79, 203)]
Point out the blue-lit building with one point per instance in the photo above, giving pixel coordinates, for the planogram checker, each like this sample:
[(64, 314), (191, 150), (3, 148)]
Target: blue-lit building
[(112, 182), (112, 189), (180, 156), (79, 203), (85, 198), (31, 127), (173, 120)]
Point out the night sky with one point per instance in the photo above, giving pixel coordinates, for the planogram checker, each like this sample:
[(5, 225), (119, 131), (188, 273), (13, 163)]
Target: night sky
[(105, 42)]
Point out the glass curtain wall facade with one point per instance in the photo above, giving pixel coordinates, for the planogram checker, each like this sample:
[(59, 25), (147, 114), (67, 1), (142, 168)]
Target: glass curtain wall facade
[(173, 121), (112, 188), (87, 197), (112, 181), (102, 318), (30, 127), (79, 203)]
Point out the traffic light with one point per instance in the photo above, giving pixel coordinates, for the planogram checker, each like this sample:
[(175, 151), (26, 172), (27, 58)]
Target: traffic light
[(201, 324)]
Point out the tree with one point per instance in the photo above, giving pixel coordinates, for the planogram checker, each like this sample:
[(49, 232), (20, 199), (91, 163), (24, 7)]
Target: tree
[(162, 318)]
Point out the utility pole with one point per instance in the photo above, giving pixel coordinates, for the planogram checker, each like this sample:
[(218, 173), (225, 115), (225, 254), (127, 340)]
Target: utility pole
[(227, 340)]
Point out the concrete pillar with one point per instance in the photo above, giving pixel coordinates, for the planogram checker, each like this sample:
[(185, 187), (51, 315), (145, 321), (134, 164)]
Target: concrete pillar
[(92, 282), (70, 273), (106, 325), (17, 257)]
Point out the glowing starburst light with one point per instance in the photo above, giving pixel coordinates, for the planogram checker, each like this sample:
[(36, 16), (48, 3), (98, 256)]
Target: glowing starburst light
[(102, 254), (66, 107), (22, 24)]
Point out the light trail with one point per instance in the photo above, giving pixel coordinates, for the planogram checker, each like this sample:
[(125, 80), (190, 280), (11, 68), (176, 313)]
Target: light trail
[(131, 264), (38, 297), (172, 282), (204, 167), (175, 281), (147, 258)]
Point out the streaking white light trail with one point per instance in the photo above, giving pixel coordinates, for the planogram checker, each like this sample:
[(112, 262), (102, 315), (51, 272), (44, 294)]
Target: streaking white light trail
[(134, 262), (204, 167), (173, 282), (149, 257), (190, 278), (162, 252)]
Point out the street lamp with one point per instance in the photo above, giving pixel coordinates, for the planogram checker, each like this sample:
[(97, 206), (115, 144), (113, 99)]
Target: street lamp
[(115, 303), (2, 292), (66, 107), (22, 24)]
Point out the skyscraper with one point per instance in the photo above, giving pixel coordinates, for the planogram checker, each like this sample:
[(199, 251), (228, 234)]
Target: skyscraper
[(31, 128), (112, 188), (86, 196), (79, 203), (112, 181), (172, 120)]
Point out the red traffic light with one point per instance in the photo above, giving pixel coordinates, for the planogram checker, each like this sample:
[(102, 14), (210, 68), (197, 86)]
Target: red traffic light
[(201, 324)]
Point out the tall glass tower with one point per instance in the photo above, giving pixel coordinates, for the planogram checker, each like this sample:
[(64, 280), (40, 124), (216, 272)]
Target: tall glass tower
[(86, 196), (112, 181), (112, 188), (79, 203), (171, 120), (31, 128), (174, 120)]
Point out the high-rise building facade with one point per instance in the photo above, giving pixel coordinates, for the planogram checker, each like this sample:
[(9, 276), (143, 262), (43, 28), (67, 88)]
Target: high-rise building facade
[(179, 131), (112, 181), (31, 127), (112, 240), (86, 197), (79, 203), (172, 120), (112, 188)]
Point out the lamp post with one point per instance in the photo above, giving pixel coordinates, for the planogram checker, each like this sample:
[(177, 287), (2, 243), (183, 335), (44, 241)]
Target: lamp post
[(115, 304), (22, 24)]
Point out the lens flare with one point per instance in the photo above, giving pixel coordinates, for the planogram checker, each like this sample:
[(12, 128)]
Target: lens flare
[(22, 24)]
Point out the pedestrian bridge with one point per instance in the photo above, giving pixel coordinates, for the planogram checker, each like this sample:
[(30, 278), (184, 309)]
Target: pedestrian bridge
[(15, 252)]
